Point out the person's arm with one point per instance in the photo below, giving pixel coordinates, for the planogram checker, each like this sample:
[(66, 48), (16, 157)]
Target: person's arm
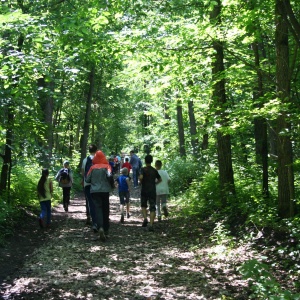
[(57, 177), (158, 177), (71, 175), (128, 180), (88, 178), (51, 187), (141, 177)]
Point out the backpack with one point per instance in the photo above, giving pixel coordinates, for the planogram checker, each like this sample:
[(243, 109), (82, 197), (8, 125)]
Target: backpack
[(64, 176), (88, 165)]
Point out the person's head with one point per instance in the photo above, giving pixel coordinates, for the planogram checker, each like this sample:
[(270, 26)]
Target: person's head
[(158, 164), (92, 148), (45, 172), (41, 183), (127, 159), (148, 159), (124, 171), (131, 152), (66, 164), (99, 158)]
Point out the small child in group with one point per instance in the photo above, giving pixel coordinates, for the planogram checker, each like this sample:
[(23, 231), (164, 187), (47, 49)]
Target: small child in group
[(45, 190), (112, 164), (124, 192), (127, 165), (162, 191)]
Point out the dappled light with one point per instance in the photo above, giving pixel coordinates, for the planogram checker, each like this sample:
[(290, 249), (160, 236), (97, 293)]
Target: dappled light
[(131, 264)]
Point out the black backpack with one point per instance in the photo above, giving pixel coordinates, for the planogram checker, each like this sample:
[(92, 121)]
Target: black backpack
[(64, 176), (88, 165)]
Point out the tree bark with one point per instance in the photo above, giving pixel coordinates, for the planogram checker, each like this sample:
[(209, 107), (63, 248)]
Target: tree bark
[(182, 151), (86, 126), (226, 178), (260, 127), (193, 129), (46, 104), (286, 193)]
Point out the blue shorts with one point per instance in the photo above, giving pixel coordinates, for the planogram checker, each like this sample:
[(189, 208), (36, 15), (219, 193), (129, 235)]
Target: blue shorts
[(124, 197)]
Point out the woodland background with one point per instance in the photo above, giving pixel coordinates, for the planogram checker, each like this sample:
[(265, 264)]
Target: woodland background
[(209, 87)]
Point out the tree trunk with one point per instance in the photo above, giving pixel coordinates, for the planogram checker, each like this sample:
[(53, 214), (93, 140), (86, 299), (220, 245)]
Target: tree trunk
[(180, 130), (46, 104), (86, 126), (226, 178), (286, 193), (6, 166), (7, 160), (260, 127), (193, 129)]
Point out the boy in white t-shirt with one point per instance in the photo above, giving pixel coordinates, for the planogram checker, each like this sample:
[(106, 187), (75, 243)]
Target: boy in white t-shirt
[(162, 191)]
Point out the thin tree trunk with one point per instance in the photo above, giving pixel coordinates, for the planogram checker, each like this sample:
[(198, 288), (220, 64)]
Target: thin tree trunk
[(7, 156), (86, 126), (226, 178), (286, 193), (46, 104), (180, 130), (260, 128), (193, 129)]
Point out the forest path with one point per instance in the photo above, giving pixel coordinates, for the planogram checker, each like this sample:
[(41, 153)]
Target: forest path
[(71, 262)]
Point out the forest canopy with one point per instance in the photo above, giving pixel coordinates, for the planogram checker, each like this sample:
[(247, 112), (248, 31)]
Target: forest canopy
[(209, 87)]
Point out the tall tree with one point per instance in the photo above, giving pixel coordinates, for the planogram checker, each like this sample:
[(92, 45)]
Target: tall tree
[(219, 98), (286, 192)]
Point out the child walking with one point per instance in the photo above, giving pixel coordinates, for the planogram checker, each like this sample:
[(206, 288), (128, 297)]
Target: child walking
[(124, 192), (45, 190), (162, 191), (149, 178)]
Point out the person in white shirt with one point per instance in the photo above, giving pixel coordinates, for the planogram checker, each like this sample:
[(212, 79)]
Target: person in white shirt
[(162, 191)]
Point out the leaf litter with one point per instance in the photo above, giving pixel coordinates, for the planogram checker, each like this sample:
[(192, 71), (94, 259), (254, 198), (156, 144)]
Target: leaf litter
[(71, 262)]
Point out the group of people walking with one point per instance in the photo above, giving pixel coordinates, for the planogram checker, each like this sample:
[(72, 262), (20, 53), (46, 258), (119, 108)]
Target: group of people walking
[(96, 171)]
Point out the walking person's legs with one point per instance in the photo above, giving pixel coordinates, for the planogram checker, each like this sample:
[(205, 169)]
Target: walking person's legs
[(48, 207), (43, 214), (135, 177), (158, 203)]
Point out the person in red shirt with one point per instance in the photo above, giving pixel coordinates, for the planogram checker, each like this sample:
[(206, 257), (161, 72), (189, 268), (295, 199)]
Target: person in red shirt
[(127, 165)]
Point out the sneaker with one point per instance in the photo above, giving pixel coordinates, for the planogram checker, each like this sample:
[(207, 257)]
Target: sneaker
[(165, 210), (150, 228), (145, 223), (159, 218), (102, 235), (128, 215), (41, 222), (122, 218)]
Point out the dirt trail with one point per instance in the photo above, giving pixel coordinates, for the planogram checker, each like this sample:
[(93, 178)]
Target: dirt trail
[(70, 262)]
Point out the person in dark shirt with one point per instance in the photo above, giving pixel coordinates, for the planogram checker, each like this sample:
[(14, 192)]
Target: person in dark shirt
[(149, 177)]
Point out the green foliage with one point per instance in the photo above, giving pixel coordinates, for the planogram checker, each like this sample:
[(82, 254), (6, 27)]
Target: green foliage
[(262, 283), (182, 172), (221, 234), (8, 217)]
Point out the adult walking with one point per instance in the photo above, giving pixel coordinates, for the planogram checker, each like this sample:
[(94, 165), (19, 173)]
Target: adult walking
[(65, 179), (90, 208), (149, 178), (136, 165), (100, 188)]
